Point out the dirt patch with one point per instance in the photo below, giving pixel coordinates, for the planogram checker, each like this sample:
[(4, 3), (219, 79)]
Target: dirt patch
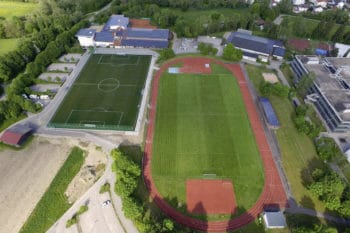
[(26, 174), (141, 23), (196, 66), (24, 177), (210, 197), (92, 169)]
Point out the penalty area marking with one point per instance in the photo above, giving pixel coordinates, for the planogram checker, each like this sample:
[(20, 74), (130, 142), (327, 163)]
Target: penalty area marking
[(120, 113)]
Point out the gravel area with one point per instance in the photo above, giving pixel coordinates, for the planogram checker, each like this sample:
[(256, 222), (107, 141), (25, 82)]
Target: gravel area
[(65, 67), (54, 76), (45, 87), (185, 45), (70, 57), (216, 42)]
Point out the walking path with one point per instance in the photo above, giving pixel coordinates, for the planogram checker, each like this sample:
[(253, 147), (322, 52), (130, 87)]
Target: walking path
[(273, 192), (105, 222)]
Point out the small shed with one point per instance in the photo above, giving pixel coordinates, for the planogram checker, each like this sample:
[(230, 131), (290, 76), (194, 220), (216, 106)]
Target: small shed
[(16, 135), (269, 112), (274, 220)]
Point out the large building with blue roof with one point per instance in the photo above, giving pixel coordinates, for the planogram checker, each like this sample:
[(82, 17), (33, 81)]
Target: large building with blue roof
[(116, 32), (256, 45)]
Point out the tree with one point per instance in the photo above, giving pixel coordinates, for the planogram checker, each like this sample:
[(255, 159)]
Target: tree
[(338, 36), (231, 53), (304, 83), (166, 54), (207, 49), (168, 225)]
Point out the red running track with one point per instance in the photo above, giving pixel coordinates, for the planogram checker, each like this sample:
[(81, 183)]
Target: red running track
[(273, 193)]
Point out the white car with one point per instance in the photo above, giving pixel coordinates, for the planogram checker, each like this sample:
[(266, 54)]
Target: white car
[(106, 202)]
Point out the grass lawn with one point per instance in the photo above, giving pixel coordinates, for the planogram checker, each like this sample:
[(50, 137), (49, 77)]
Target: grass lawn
[(7, 45), (8, 9), (54, 203), (106, 94), (202, 128), (310, 24), (297, 149)]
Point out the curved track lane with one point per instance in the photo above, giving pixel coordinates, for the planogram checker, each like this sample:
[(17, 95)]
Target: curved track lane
[(273, 193)]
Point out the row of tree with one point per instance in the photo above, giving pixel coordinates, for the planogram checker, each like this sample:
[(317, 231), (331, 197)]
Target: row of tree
[(128, 177), (330, 188), (14, 62), (327, 185), (207, 49)]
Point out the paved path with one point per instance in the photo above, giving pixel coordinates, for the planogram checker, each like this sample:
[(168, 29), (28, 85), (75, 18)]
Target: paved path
[(98, 218)]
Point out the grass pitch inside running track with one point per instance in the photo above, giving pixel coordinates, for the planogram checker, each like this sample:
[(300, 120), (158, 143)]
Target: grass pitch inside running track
[(106, 95), (202, 128)]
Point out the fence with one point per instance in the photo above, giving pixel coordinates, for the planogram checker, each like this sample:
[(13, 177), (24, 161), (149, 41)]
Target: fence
[(91, 126)]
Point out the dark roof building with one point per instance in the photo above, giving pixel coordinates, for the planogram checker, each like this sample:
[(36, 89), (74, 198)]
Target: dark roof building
[(16, 135), (116, 32), (86, 32), (269, 112), (146, 38), (141, 33), (104, 36), (116, 21), (256, 44)]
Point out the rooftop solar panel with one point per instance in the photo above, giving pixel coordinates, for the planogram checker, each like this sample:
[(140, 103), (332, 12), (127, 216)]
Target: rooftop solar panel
[(88, 32), (147, 33), (145, 43), (104, 37), (254, 43)]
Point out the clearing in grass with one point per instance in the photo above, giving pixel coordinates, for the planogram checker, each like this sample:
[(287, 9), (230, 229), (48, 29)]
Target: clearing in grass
[(8, 9), (106, 95), (202, 128), (7, 45)]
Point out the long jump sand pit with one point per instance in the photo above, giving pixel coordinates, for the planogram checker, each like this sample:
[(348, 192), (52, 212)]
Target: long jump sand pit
[(210, 197), (24, 177)]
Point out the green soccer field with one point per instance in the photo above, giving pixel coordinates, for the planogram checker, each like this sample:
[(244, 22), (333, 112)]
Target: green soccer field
[(106, 95), (202, 130)]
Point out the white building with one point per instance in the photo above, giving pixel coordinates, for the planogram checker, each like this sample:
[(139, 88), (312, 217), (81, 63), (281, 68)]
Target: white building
[(322, 3), (274, 220), (300, 8), (86, 37), (318, 9), (298, 2), (343, 50)]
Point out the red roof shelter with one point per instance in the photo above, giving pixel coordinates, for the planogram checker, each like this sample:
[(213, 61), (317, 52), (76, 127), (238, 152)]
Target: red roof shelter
[(15, 136)]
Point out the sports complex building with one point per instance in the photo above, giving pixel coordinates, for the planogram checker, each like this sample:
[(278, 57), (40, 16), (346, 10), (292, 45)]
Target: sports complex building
[(119, 32), (331, 90), (254, 47)]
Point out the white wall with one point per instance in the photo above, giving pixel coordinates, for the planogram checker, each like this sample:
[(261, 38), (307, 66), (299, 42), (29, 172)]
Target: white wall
[(103, 44), (86, 41), (298, 2)]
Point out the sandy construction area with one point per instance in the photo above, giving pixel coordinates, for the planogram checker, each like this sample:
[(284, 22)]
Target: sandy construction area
[(24, 177)]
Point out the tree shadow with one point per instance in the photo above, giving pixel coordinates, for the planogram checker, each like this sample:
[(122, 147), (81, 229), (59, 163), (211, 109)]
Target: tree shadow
[(254, 225), (306, 172), (307, 201)]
